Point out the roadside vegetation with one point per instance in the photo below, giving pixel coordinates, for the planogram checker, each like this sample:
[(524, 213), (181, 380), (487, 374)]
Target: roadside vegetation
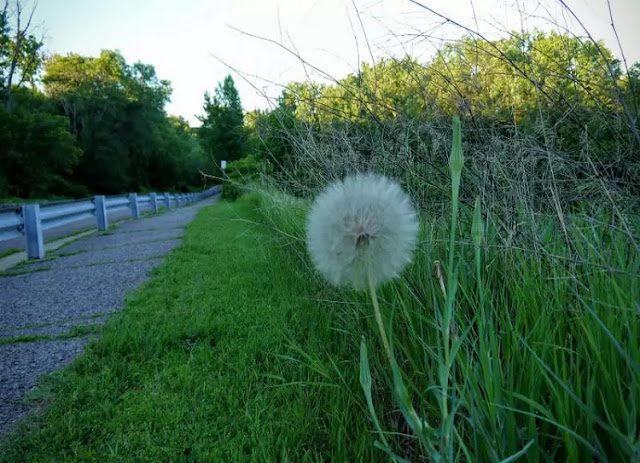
[(514, 332), (207, 362), (73, 126), (515, 329), (236, 351)]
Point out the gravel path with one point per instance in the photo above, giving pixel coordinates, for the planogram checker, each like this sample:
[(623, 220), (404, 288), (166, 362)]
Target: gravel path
[(77, 285)]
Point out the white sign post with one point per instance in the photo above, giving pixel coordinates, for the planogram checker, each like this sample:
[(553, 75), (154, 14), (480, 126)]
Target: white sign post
[(223, 165)]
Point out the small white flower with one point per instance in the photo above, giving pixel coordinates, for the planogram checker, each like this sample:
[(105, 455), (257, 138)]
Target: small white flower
[(364, 223)]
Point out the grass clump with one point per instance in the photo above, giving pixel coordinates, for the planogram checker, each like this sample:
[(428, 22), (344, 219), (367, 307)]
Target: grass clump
[(521, 346), (8, 252), (75, 332)]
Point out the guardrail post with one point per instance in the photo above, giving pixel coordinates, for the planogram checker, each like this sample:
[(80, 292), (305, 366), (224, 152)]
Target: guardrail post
[(133, 204), (177, 196), (154, 202), (33, 231), (167, 201), (101, 212)]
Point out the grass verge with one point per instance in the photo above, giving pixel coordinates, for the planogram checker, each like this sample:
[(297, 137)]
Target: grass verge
[(236, 352), (204, 363), (74, 332), (8, 252)]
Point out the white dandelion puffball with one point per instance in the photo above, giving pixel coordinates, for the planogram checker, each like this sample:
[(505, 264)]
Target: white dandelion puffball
[(364, 223)]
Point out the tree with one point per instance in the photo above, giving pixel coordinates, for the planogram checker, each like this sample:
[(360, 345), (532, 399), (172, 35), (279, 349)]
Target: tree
[(37, 152), (90, 93), (20, 51), (222, 132), (116, 110), (100, 127), (178, 165)]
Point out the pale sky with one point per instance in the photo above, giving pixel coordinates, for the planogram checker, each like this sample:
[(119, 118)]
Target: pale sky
[(181, 38)]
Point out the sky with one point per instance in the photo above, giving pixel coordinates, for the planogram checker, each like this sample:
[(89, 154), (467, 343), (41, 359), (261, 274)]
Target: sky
[(265, 44)]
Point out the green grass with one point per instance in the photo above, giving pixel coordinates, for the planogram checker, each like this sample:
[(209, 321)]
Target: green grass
[(8, 252), (543, 361), (206, 363), (16, 200), (42, 325), (15, 270), (235, 351), (74, 332), (70, 235)]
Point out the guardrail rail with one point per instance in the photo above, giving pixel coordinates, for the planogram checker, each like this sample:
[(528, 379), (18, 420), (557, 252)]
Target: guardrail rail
[(31, 220)]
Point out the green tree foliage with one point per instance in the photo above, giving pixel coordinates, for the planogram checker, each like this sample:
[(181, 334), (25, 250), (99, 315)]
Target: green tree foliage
[(37, 152), (20, 51), (553, 93), (5, 43), (514, 77), (222, 133), (99, 127), (240, 172), (180, 163), (630, 85), (271, 133), (89, 93), (116, 111)]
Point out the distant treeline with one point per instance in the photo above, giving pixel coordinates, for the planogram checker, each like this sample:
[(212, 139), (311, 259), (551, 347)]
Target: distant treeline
[(547, 117), (73, 125), (542, 112)]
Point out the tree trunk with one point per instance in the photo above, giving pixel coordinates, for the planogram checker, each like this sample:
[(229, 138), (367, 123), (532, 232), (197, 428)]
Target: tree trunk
[(20, 35)]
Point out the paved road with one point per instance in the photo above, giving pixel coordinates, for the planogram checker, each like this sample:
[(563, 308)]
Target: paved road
[(79, 284)]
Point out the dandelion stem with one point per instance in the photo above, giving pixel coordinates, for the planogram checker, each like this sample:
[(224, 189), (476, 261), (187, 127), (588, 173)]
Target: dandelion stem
[(456, 163), (376, 310)]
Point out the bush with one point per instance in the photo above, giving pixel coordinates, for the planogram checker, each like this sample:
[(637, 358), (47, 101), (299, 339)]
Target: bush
[(241, 172)]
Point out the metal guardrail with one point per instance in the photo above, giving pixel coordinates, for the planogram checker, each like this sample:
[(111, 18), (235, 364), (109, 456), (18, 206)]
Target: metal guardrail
[(30, 220), (10, 224)]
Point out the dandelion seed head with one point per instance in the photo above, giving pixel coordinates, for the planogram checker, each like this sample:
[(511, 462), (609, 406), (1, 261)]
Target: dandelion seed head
[(362, 223)]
